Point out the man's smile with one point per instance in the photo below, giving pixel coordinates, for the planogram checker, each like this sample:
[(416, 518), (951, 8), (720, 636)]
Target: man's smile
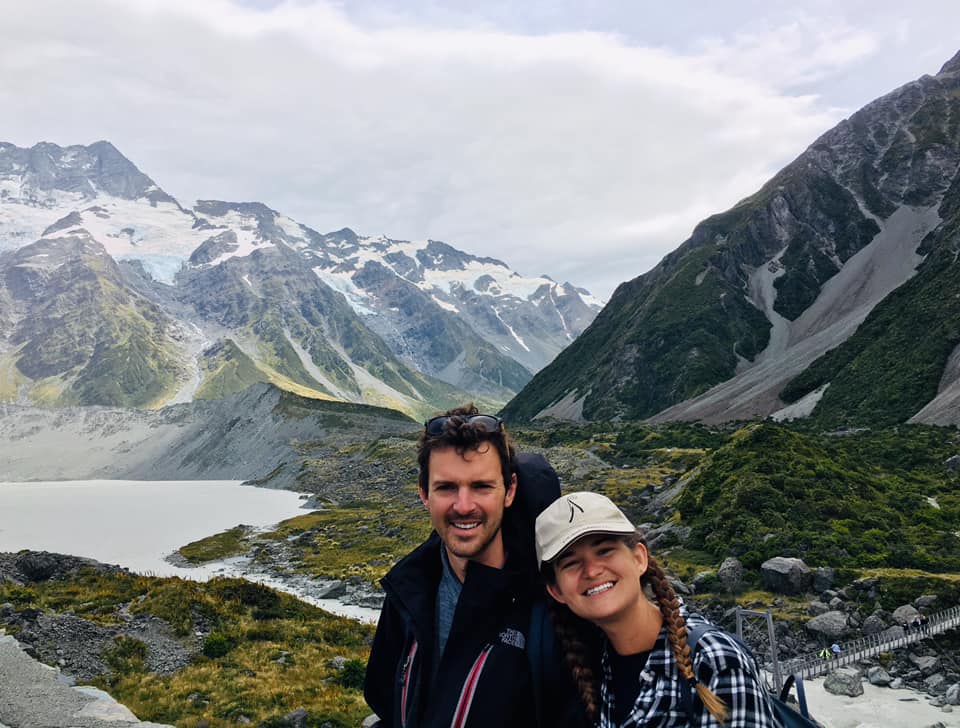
[(465, 525)]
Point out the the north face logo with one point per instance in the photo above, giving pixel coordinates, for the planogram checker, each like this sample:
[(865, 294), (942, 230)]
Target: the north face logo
[(513, 637)]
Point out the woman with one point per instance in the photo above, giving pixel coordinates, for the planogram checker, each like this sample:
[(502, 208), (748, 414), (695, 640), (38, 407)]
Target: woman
[(599, 571)]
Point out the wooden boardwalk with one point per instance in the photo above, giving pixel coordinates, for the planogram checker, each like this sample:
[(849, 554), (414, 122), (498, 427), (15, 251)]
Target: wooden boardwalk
[(894, 638)]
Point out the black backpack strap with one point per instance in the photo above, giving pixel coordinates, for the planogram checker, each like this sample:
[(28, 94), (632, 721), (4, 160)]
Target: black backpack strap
[(797, 682), (542, 655)]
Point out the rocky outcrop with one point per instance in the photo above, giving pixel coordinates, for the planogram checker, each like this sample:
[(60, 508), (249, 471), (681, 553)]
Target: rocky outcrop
[(829, 626), (785, 575), (730, 574), (844, 682)]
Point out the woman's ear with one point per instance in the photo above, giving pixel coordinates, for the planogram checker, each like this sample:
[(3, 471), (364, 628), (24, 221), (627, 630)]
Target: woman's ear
[(642, 556), (555, 593)]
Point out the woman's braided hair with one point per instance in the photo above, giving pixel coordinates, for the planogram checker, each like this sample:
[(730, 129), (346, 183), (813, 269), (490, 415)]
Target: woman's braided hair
[(579, 660)]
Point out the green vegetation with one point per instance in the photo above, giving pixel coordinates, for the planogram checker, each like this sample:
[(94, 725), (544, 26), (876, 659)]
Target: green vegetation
[(876, 499), (231, 542), (227, 370), (268, 653)]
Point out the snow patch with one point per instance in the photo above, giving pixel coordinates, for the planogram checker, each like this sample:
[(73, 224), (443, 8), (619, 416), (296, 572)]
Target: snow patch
[(444, 305), (359, 300), (162, 268)]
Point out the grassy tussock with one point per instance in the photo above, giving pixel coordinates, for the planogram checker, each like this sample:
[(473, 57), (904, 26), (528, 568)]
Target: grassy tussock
[(274, 655)]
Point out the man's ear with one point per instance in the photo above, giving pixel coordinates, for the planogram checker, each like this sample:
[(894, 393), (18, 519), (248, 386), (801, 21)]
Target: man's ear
[(423, 497), (555, 593), (511, 491)]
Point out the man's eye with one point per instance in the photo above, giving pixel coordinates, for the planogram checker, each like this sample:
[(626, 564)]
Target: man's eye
[(565, 565)]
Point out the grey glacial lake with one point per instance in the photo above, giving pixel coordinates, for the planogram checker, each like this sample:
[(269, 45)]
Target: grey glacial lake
[(133, 523), (136, 523)]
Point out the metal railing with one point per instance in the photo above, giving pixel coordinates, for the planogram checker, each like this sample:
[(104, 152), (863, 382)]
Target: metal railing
[(808, 666)]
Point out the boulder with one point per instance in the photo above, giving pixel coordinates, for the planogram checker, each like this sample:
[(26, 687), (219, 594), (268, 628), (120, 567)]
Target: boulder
[(844, 682), (829, 626), (730, 574), (953, 462), (786, 575), (925, 602), (370, 721), (905, 614), (926, 664), (879, 676), (936, 683), (873, 625), (823, 578), (679, 587), (296, 718), (952, 695), (704, 581), (817, 607)]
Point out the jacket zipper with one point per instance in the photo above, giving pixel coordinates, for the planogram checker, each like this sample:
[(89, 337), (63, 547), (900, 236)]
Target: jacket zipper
[(469, 688), (405, 679)]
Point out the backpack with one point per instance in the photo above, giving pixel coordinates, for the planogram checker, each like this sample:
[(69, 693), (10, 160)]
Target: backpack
[(537, 487), (788, 716)]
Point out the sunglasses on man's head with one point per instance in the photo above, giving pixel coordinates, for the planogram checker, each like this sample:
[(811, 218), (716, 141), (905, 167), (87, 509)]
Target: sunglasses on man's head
[(487, 423)]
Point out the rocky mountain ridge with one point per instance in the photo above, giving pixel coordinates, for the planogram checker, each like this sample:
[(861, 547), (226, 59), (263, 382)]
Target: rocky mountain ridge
[(845, 240), (414, 326)]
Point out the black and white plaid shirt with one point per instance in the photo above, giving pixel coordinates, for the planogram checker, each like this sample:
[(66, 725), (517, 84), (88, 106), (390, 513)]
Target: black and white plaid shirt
[(719, 663)]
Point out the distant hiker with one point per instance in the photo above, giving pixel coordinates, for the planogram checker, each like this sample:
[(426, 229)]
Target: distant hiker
[(835, 649), (639, 672), (451, 645), (825, 653), (925, 624)]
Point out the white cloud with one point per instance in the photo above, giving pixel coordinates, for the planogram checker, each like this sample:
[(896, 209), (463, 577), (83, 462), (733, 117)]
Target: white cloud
[(582, 155)]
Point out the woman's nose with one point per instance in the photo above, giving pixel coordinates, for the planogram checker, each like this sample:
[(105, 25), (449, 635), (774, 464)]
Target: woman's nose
[(592, 567)]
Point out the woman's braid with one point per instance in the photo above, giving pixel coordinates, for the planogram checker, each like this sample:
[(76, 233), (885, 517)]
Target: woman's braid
[(677, 630), (576, 656)]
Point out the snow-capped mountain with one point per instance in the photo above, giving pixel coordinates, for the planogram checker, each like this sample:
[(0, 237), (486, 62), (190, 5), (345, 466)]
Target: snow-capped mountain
[(243, 293)]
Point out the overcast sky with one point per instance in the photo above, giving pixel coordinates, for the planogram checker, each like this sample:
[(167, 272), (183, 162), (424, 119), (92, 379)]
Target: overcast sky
[(580, 139)]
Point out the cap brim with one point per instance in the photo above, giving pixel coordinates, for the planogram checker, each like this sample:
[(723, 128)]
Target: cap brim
[(613, 528)]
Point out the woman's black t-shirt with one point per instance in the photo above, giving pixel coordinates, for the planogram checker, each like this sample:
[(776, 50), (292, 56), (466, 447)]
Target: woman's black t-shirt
[(626, 671)]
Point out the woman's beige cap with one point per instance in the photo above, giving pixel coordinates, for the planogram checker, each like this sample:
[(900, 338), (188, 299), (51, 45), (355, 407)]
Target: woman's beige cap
[(575, 515)]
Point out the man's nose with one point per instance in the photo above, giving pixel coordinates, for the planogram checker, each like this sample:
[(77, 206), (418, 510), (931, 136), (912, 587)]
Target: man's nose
[(464, 502)]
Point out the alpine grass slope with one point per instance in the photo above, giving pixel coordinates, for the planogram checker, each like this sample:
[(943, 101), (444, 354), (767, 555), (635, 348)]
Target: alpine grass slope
[(830, 293)]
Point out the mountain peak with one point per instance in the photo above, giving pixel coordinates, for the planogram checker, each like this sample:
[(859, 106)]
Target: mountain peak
[(86, 171), (951, 66)]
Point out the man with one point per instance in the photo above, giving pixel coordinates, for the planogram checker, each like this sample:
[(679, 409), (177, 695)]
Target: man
[(450, 644)]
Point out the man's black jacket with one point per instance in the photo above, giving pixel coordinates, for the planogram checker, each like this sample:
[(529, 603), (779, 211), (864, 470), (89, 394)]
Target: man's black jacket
[(483, 678)]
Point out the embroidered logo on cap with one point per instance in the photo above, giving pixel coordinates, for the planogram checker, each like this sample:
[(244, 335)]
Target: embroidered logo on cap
[(573, 504)]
